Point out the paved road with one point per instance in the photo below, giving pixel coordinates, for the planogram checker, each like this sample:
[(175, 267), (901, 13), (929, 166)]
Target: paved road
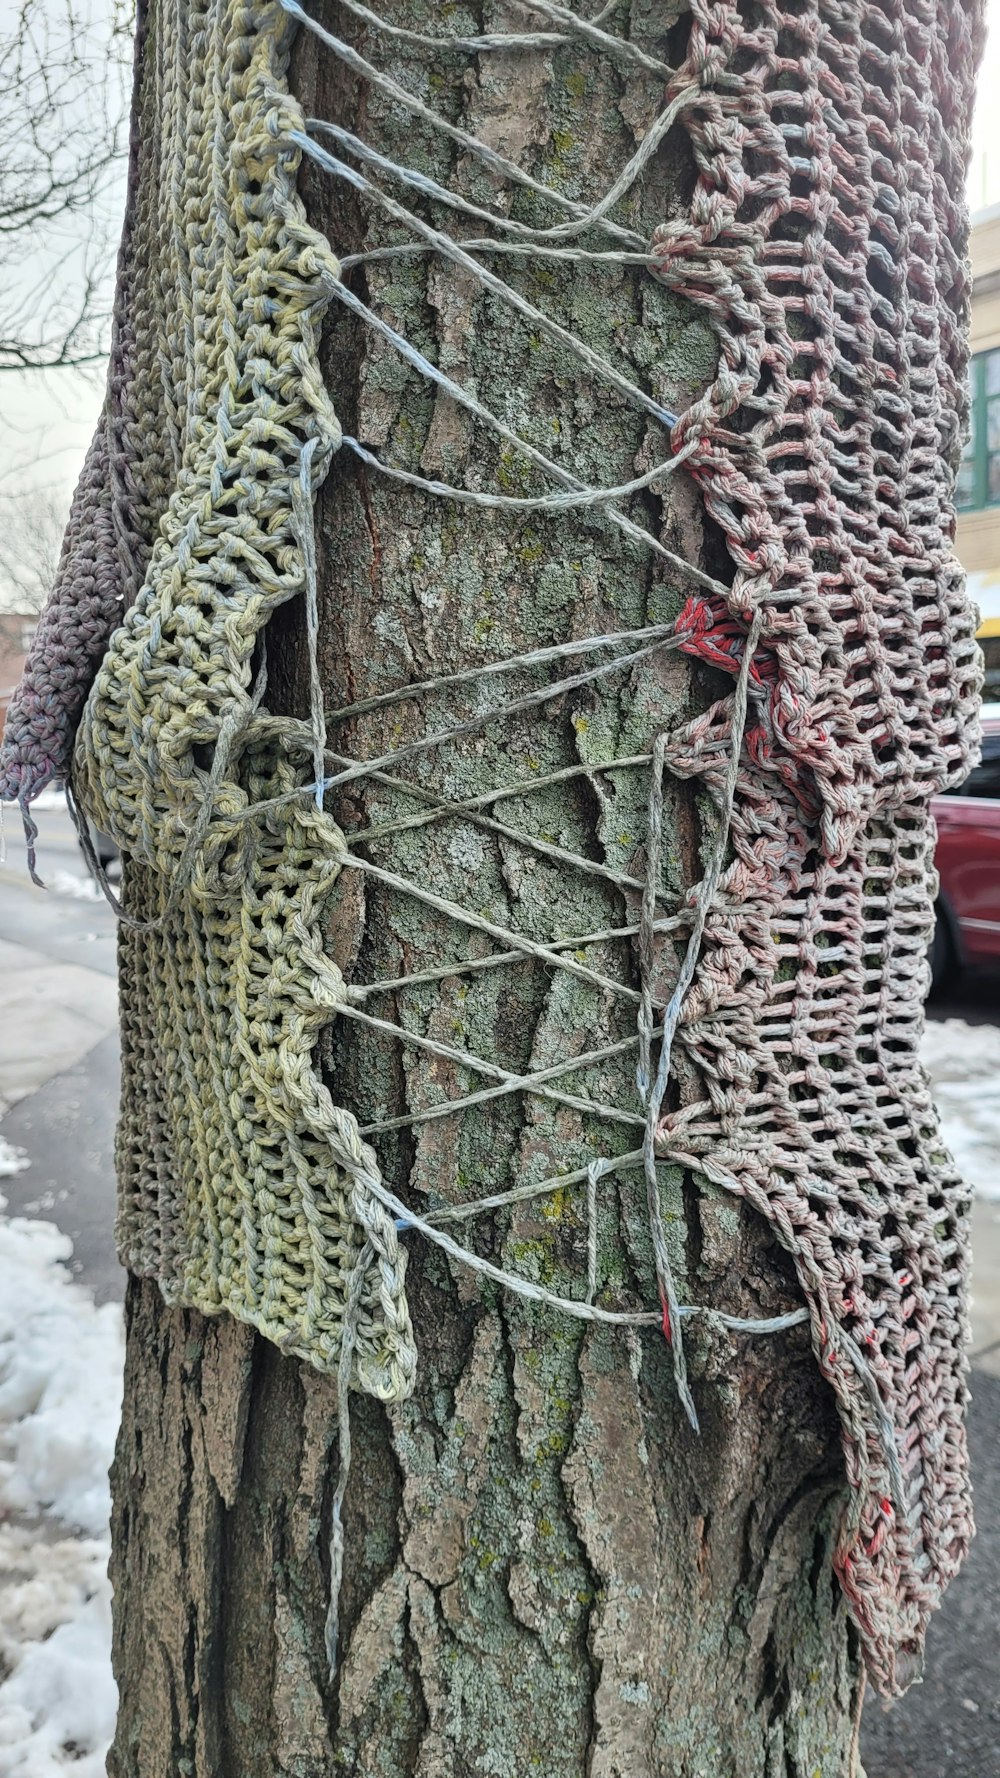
[(59, 1075), (59, 1047)]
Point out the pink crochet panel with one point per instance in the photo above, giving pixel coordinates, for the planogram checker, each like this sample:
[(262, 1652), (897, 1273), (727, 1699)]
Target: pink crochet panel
[(826, 245)]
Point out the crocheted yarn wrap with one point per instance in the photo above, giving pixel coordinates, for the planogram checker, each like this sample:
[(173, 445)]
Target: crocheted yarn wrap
[(242, 1187), (825, 244)]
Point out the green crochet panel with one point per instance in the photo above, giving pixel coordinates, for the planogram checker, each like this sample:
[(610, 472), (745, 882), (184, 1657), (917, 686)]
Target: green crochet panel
[(242, 1186)]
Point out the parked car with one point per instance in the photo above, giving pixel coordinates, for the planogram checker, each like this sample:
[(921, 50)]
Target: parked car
[(968, 862)]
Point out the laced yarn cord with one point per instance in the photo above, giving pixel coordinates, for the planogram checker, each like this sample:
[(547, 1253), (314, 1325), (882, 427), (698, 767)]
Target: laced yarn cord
[(824, 248)]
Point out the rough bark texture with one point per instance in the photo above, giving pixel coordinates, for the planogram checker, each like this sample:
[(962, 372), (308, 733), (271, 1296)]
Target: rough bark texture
[(546, 1570)]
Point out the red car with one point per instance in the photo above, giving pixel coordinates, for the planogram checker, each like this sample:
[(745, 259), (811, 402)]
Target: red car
[(968, 862)]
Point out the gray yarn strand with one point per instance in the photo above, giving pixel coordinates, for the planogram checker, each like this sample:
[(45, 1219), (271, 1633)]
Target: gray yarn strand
[(497, 163), (352, 1313), (466, 399), (589, 30), (512, 1083), (552, 504), (449, 249), (302, 496), (509, 41), (653, 1092), (479, 923), (529, 701)]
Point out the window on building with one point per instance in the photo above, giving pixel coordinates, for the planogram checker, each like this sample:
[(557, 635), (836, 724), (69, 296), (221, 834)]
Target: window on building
[(978, 483), (990, 646)]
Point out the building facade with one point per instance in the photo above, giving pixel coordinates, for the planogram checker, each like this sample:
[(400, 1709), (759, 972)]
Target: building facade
[(978, 489)]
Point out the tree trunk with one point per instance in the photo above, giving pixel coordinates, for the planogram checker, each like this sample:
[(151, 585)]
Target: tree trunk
[(546, 1569)]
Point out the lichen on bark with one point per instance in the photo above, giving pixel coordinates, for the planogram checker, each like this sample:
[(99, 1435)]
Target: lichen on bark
[(546, 1570)]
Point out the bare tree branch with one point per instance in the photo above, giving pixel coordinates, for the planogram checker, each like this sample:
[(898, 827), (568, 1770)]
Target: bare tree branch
[(63, 142), (31, 529)]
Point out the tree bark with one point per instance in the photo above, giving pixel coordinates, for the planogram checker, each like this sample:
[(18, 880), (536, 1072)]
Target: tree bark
[(546, 1570)]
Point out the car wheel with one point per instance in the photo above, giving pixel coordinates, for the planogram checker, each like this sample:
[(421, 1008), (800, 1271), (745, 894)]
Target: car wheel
[(943, 960)]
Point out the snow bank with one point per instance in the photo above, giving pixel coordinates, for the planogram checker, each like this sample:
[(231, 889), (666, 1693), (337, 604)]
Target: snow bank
[(57, 1708), (60, 1381), (963, 1062), (12, 1160), (60, 1394), (67, 883)]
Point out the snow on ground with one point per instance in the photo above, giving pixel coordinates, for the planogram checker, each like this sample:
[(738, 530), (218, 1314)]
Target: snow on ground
[(12, 1160), (66, 882), (60, 1395), (964, 1065)]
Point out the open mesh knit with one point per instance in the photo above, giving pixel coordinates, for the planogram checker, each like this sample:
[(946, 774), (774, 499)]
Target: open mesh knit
[(825, 244)]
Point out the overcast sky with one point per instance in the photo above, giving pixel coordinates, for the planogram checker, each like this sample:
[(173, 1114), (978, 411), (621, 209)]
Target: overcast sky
[(49, 417)]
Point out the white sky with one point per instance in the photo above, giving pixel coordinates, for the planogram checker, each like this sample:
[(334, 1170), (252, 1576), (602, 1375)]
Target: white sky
[(984, 173), (48, 421), (78, 51), (48, 418)]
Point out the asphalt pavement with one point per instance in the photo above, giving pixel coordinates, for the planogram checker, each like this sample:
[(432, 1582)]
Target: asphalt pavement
[(949, 1725), (59, 1058), (59, 1087)]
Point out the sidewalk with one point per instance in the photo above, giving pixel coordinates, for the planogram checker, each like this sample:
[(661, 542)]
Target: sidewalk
[(66, 1128), (59, 1054), (985, 1349)]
